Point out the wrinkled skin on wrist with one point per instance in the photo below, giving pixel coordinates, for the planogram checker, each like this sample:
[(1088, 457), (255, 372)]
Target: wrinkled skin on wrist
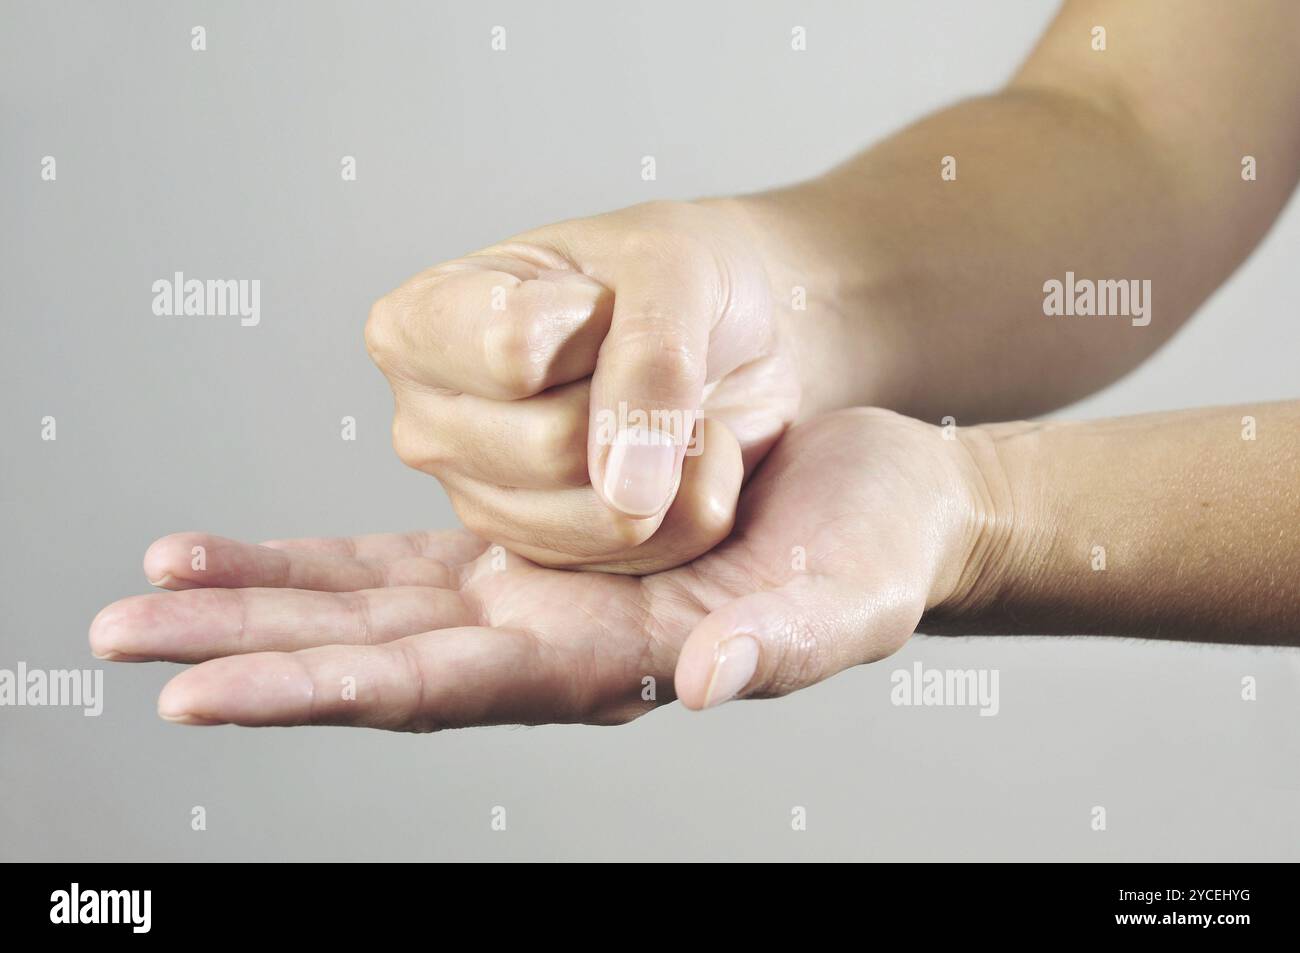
[(513, 368), (856, 524)]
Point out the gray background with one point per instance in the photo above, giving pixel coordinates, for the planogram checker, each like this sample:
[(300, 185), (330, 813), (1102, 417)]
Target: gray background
[(226, 163)]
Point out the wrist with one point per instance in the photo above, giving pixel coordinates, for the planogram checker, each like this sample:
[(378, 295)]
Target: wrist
[(1000, 543), (829, 308)]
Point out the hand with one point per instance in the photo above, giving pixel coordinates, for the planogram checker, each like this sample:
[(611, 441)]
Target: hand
[(552, 383), (858, 523)]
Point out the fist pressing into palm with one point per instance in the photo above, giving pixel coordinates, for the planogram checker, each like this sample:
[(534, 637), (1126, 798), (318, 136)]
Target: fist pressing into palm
[(554, 384), (857, 523)]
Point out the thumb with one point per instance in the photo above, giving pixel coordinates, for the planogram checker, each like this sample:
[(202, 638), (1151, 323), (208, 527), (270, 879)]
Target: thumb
[(647, 389), (775, 642)]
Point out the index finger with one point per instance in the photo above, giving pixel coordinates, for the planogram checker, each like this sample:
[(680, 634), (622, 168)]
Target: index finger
[(502, 327)]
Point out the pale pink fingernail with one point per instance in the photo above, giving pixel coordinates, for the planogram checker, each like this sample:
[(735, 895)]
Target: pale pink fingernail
[(175, 704), (640, 471), (187, 718), (734, 665)]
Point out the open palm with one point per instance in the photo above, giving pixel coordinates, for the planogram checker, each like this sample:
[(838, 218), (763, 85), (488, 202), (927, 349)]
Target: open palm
[(848, 533)]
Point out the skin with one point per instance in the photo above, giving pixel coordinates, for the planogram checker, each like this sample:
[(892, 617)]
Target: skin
[(1198, 513), (1117, 164), (439, 630), (851, 528), (1123, 163), (861, 525), (505, 363)]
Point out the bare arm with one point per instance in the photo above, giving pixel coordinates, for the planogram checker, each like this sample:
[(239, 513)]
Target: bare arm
[(1180, 525), (859, 525), (551, 381), (926, 295)]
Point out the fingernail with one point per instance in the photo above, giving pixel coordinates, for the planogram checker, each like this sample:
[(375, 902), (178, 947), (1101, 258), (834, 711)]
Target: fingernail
[(169, 710), (639, 471), (163, 580), (188, 719), (734, 665)]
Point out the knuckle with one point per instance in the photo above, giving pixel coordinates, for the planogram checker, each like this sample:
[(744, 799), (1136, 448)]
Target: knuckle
[(474, 518), (671, 215), (562, 446), (665, 356), (665, 243), (412, 448), (570, 470), (713, 522), (513, 357), (381, 330), (414, 710), (642, 240)]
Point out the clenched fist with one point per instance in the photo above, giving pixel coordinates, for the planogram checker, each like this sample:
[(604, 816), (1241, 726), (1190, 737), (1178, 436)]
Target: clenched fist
[(592, 393)]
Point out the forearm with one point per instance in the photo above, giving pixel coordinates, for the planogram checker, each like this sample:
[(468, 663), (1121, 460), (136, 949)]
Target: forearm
[(1182, 526), (940, 283), (925, 293)]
